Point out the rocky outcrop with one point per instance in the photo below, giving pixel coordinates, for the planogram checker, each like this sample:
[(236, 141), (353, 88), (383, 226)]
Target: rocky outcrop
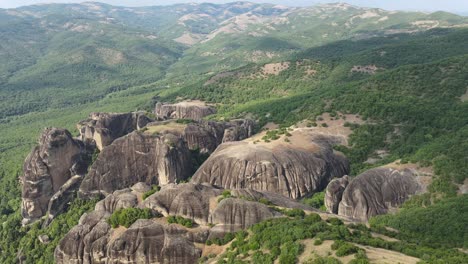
[(207, 135), (334, 193), (154, 240), (281, 168), (138, 157), (101, 129), (48, 182), (237, 214), (183, 110), (374, 192)]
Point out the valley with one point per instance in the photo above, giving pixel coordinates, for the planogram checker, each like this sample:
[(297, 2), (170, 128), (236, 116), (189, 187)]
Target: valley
[(232, 133)]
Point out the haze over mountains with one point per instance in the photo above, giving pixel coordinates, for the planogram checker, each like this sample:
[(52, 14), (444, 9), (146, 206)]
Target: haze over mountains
[(258, 102)]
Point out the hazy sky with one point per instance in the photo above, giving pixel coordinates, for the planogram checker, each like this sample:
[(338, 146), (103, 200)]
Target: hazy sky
[(459, 6)]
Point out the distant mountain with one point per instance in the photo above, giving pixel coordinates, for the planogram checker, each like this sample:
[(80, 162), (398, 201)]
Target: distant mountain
[(81, 52)]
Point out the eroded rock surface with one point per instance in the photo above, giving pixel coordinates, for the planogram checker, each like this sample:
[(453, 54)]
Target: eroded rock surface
[(374, 192), (102, 129), (47, 169), (206, 135), (288, 169), (183, 110), (154, 240), (334, 193), (138, 157)]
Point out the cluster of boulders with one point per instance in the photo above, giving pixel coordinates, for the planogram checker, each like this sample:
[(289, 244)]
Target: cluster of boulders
[(374, 192), (118, 156), (62, 165), (93, 240)]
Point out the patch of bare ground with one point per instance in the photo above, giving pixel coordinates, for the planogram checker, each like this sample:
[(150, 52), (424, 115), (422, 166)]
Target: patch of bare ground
[(170, 126), (463, 188), (464, 97), (386, 238), (192, 103), (384, 256), (275, 68), (333, 126), (323, 250), (212, 249), (188, 39), (375, 255)]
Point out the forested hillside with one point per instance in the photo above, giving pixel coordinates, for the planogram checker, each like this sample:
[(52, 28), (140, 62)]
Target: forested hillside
[(405, 73)]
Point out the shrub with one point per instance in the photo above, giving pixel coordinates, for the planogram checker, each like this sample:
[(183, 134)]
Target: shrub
[(154, 190), (294, 212), (335, 221), (180, 220), (127, 216)]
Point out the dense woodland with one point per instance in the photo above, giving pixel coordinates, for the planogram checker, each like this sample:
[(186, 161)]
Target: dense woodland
[(412, 102)]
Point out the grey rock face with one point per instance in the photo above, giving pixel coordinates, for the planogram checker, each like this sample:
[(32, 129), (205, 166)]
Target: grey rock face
[(375, 192), (102, 129), (238, 214), (46, 170), (238, 130), (334, 193), (206, 136), (138, 157), (155, 241), (290, 171), (183, 110)]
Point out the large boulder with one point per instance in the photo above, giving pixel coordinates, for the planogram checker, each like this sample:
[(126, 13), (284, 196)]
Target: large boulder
[(374, 192), (334, 193), (138, 157), (184, 110), (156, 241), (292, 170), (205, 135), (46, 171), (101, 129)]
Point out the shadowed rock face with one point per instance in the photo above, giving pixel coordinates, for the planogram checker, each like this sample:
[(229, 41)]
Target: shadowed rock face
[(102, 129), (373, 192), (47, 168), (183, 110), (155, 241), (334, 193), (138, 157), (287, 170)]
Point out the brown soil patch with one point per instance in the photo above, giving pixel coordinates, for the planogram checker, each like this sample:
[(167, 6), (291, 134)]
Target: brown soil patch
[(275, 68), (464, 97), (383, 256), (322, 250), (188, 39), (335, 126), (270, 126), (386, 238), (166, 127), (213, 249)]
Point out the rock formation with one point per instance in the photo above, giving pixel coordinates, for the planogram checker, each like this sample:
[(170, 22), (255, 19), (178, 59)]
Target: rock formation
[(183, 110), (49, 171), (371, 193), (154, 240), (138, 157), (206, 135), (334, 193), (102, 129), (291, 170)]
